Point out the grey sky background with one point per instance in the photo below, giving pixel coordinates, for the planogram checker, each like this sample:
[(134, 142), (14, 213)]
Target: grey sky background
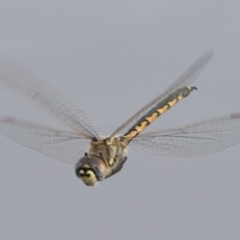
[(112, 57)]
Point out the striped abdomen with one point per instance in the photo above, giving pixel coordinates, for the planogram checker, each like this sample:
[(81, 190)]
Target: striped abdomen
[(156, 111)]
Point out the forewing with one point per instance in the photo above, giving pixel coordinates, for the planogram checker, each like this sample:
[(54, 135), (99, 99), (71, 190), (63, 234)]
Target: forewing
[(194, 140), (185, 79), (64, 146), (47, 95)]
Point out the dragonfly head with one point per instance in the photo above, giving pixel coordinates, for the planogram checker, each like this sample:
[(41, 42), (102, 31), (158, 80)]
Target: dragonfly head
[(90, 170)]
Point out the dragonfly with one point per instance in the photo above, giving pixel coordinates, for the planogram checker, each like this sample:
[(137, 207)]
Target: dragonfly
[(105, 156)]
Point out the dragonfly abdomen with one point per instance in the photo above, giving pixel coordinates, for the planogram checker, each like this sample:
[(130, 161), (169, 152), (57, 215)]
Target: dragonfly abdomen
[(156, 111)]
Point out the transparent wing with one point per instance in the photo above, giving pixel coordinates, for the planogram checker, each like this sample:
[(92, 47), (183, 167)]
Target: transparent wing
[(64, 146), (184, 80), (194, 140), (47, 95)]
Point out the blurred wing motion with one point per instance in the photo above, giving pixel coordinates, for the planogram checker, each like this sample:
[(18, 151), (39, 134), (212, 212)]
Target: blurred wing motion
[(48, 96), (184, 80), (194, 140), (61, 145)]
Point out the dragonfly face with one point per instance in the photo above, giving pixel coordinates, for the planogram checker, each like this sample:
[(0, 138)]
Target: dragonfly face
[(91, 170), (106, 156)]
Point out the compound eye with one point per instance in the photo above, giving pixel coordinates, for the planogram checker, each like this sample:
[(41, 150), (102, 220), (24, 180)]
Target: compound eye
[(98, 172)]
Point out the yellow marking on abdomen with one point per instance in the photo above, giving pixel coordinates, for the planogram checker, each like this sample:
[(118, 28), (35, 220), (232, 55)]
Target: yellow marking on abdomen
[(153, 117), (132, 134), (180, 98), (137, 129), (163, 109), (142, 126), (172, 103)]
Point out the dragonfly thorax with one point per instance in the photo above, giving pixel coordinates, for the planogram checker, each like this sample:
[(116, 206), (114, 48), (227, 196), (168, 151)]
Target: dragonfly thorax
[(109, 150)]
